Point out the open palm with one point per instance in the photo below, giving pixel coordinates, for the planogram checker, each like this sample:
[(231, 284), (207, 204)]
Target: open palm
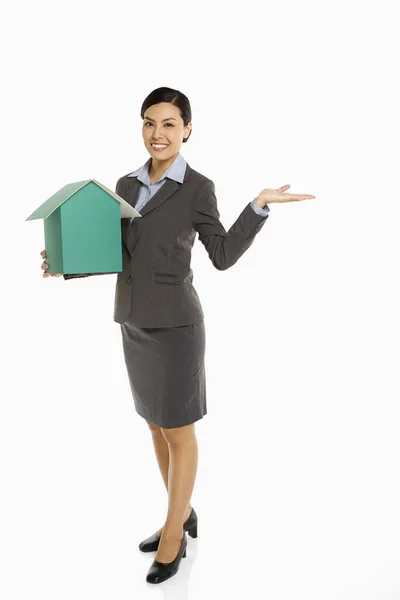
[(268, 196)]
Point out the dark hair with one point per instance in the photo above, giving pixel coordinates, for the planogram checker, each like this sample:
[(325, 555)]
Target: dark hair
[(175, 97)]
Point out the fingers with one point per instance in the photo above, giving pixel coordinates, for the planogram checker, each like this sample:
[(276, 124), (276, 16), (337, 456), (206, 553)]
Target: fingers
[(294, 197), (45, 266), (281, 196)]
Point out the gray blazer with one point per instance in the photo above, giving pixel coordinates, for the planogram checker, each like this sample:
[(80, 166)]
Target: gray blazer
[(155, 286)]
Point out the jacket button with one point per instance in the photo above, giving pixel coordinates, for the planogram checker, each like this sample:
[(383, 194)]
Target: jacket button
[(129, 279)]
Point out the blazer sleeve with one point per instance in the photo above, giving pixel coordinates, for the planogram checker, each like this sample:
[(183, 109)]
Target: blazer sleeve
[(118, 190), (223, 248)]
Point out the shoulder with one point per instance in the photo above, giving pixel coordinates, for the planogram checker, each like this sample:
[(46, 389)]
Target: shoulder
[(122, 184), (200, 184), (198, 178), (193, 178), (123, 178)]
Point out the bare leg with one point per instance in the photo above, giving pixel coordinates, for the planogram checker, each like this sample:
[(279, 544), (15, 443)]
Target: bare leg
[(162, 454), (161, 450), (183, 460)]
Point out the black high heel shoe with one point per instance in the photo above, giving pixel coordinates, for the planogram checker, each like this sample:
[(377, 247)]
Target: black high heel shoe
[(151, 543), (159, 571)]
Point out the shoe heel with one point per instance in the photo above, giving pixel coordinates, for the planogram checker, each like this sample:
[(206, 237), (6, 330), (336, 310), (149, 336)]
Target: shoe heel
[(193, 531)]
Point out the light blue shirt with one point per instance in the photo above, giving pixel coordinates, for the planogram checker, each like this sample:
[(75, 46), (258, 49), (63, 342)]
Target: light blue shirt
[(175, 171)]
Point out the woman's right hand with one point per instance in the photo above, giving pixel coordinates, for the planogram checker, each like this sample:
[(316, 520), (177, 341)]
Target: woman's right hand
[(46, 266)]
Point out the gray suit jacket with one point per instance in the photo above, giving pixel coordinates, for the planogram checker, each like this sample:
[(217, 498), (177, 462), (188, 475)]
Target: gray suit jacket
[(155, 286)]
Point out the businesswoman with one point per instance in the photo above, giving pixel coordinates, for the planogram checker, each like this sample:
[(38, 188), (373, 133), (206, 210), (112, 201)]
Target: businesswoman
[(159, 311)]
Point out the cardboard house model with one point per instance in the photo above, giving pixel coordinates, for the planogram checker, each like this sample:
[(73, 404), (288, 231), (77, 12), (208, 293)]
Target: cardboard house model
[(82, 228)]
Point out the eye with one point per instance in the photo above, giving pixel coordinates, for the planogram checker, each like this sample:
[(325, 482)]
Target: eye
[(148, 123)]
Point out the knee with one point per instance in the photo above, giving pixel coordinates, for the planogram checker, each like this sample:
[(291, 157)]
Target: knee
[(177, 435)]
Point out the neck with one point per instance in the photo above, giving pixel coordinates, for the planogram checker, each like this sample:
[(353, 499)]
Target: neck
[(158, 167)]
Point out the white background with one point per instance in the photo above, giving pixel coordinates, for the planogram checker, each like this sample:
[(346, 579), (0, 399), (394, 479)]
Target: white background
[(297, 490)]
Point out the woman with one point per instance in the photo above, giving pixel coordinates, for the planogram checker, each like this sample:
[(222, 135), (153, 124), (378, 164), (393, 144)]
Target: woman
[(160, 315)]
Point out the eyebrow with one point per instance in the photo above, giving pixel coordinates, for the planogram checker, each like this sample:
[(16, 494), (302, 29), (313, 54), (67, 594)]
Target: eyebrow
[(169, 118)]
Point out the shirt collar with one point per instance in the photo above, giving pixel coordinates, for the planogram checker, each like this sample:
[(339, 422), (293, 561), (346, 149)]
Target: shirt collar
[(175, 171)]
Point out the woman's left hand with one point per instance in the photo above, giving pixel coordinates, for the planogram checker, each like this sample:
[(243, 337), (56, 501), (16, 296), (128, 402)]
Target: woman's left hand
[(268, 196)]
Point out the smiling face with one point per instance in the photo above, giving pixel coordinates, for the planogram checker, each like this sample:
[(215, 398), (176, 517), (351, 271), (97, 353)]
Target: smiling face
[(163, 124)]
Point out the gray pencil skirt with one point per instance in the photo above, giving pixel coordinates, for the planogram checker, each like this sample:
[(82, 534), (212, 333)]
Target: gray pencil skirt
[(166, 372)]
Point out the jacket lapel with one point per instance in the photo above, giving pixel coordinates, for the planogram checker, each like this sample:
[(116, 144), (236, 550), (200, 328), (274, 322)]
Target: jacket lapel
[(132, 195), (166, 190)]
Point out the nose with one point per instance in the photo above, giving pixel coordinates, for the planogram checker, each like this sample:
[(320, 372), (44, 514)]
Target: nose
[(157, 135)]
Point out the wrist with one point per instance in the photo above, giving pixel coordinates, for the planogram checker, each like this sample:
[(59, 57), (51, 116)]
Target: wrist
[(260, 203)]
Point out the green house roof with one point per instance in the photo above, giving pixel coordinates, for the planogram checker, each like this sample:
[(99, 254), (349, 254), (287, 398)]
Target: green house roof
[(52, 203)]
